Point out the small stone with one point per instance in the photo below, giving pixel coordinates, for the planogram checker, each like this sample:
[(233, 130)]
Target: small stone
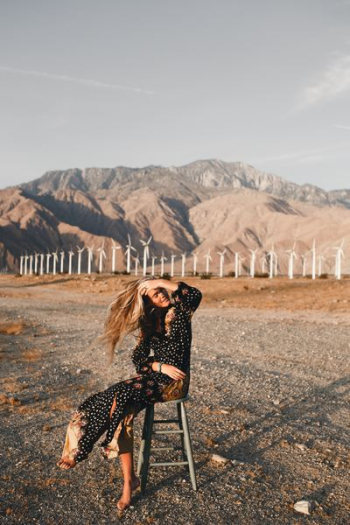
[(303, 506), (219, 459), (79, 371), (300, 446)]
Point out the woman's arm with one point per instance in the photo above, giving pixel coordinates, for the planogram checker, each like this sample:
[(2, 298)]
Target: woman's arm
[(187, 296), (169, 370), (141, 358)]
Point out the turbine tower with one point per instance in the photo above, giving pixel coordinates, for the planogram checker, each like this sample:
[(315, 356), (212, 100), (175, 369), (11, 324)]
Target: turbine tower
[(222, 256), (162, 259), (252, 262), (172, 257), (129, 247), (80, 251), (54, 261), (183, 262), (291, 257), (153, 259), (338, 257), (115, 247), (102, 256), (71, 255), (145, 253), (62, 261), (90, 258), (207, 258), (195, 257), (237, 264)]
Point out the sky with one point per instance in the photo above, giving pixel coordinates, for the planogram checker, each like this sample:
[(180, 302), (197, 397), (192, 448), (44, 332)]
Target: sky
[(138, 82)]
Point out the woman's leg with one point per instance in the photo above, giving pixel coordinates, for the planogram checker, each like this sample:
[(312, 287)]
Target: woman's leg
[(131, 481)]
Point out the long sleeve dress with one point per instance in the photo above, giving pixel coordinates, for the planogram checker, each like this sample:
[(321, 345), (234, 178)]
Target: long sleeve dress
[(172, 345)]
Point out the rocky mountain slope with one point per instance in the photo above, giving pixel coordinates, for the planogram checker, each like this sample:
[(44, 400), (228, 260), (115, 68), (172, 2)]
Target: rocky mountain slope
[(205, 205)]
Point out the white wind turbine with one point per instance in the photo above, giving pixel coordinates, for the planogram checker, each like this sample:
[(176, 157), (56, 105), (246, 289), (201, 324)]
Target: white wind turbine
[(304, 263), (90, 258), (30, 264), (272, 264), (62, 261), (48, 257), (162, 259), (252, 262), (21, 260), (26, 257), (115, 247), (36, 261), (338, 257), (145, 253), (153, 258), (183, 263), (207, 258), (54, 262), (70, 257), (172, 257), (237, 264), (263, 263), (195, 257), (320, 259), (80, 251), (102, 256), (222, 256), (129, 247), (136, 262), (313, 260), (42, 257), (292, 255)]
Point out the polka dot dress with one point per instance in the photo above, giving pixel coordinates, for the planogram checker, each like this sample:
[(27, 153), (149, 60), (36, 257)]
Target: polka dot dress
[(172, 345)]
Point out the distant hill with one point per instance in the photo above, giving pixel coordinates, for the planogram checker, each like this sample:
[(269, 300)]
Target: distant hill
[(208, 204)]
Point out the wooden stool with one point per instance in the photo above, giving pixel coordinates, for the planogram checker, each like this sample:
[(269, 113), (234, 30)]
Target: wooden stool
[(147, 433)]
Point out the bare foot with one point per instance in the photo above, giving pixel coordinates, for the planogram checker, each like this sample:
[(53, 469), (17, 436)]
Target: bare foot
[(125, 500), (66, 463)]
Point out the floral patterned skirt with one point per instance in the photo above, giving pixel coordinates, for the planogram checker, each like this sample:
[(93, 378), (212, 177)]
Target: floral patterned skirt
[(112, 412)]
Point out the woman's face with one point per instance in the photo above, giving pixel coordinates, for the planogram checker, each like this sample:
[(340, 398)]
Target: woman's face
[(159, 297)]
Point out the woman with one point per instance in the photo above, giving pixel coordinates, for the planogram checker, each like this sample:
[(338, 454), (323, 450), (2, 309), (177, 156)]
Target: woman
[(165, 328)]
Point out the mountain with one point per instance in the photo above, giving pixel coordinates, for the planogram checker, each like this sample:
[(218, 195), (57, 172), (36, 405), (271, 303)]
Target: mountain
[(204, 205)]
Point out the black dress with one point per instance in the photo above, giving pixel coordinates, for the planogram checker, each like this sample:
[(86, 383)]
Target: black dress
[(171, 346)]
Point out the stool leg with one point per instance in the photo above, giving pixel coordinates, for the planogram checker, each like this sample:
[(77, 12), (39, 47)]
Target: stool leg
[(188, 446), (184, 455), (145, 448)]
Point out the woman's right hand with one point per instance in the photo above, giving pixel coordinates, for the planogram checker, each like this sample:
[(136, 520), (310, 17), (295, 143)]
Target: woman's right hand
[(173, 372)]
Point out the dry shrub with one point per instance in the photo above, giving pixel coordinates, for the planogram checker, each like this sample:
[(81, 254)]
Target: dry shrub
[(12, 327), (32, 354)]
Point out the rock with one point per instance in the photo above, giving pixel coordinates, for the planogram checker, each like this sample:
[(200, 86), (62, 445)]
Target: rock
[(300, 446), (303, 506), (219, 459)]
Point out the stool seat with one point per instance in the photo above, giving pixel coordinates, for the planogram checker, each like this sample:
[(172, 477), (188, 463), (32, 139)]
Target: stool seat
[(148, 431)]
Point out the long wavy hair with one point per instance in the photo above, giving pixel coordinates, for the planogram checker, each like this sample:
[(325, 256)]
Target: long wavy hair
[(129, 311)]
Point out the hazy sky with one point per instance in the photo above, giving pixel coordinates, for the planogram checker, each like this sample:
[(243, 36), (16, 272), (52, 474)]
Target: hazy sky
[(134, 82)]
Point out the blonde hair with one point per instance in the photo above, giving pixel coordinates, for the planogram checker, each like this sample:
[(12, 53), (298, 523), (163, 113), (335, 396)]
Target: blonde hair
[(124, 314)]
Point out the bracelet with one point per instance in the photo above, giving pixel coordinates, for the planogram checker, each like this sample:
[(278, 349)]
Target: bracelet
[(160, 367)]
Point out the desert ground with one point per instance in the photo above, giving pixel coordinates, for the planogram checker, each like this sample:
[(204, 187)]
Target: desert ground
[(270, 377)]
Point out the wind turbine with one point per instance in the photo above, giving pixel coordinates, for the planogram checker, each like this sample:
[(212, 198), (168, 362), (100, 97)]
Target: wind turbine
[(252, 262), (237, 265), (291, 257), (90, 258), (183, 262), (263, 263), (208, 258), (101, 257), (145, 253), (172, 257), (115, 247), (80, 251), (137, 262), (71, 255), (222, 256), (36, 258), (153, 259), (272, 255), (162, 259), (30, 264), (26, 257), (42, 257), (195, 257), (313, 260), (62, 261), (21, 264), (129, 247), (320, 258), (338, 257), (55, 261), (304, 263), (48, 257)]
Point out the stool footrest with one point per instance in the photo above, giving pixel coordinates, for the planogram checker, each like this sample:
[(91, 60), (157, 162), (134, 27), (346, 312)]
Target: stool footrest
[(165, 421), (167, 432), (155, 449), (167, 463)]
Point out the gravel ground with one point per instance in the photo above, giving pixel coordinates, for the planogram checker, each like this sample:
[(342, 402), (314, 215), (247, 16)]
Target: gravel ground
[(269, 392)]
